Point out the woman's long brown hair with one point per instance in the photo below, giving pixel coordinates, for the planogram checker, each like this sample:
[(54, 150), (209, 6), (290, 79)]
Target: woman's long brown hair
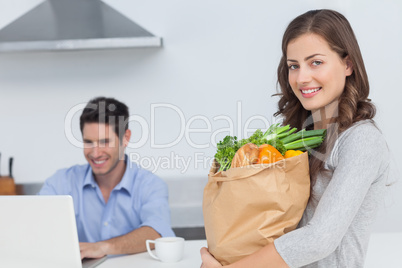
[(354, 104)]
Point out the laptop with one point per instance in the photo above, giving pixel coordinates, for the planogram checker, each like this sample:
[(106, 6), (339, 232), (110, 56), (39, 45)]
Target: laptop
[(40, 231)]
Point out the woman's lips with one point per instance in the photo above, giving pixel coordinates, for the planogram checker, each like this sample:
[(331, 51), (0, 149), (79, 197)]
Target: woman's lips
[(308, 92)]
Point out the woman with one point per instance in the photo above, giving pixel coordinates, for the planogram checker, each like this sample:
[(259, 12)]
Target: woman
[(324, 84)]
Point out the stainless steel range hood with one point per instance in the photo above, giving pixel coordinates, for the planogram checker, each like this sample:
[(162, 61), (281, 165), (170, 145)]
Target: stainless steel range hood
[(74, 25)]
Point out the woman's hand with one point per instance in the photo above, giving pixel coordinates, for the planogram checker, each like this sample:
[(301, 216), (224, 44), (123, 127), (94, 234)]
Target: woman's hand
[(208, 261)]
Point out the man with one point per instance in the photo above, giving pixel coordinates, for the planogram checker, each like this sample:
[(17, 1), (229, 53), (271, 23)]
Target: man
[(117, 204)]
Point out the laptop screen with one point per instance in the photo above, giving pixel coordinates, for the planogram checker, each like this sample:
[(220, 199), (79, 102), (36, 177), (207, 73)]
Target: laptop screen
[(38, 231)]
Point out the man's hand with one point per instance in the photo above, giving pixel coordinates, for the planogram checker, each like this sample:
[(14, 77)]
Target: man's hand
[(208, 261), (93, 250)]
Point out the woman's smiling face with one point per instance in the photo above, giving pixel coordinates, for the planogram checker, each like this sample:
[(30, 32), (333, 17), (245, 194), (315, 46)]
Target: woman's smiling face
[(317, 74)]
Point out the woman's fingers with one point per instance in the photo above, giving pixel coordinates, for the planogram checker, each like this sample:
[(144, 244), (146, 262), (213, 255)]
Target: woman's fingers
[(208, 261)]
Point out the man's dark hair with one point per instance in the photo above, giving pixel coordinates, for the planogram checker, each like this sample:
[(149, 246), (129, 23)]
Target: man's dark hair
[(109, 111)]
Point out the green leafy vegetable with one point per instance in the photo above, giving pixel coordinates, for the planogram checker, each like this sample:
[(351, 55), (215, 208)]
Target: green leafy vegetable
[(226, 151), (282, 138)]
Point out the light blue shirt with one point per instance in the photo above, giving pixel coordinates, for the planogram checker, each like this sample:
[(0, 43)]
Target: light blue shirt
[(140, 199)]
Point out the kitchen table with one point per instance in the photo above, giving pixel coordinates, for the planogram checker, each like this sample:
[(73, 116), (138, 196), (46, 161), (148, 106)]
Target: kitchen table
[(191, 258), (385, 250)]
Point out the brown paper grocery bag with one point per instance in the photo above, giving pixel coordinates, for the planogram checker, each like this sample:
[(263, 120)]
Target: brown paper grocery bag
[(248, 207)]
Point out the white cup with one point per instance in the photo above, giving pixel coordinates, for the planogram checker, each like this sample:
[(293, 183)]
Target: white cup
[(167, 249)]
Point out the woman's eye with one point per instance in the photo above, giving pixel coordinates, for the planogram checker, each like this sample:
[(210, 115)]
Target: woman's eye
[(316, 62), (292, 67)]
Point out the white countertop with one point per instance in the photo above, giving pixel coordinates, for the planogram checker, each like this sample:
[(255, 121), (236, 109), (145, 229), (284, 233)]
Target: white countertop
[(385, 250), (191, 258)]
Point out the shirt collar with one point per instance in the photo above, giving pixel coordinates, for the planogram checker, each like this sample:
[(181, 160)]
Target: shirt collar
[(89, 178), (127, 182)]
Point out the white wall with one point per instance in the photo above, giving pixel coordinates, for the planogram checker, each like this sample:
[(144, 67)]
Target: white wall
[(219, 59)]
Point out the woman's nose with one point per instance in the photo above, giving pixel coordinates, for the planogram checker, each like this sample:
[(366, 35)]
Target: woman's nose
[(304, 76)]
